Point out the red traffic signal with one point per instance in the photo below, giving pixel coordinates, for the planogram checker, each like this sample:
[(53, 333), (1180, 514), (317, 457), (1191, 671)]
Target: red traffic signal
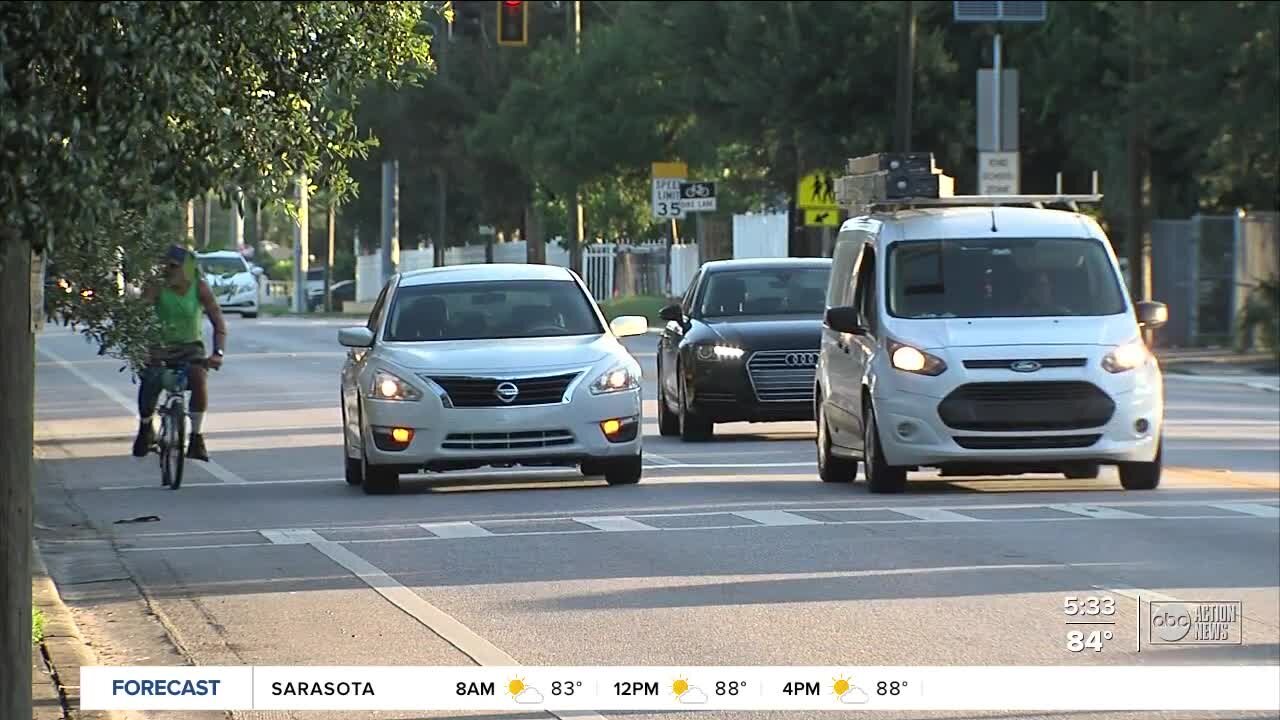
[(513, 23)]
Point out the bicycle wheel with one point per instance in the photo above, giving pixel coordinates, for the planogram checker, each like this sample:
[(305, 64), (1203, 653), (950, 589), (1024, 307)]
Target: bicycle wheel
[(178, 437), (162, 450)]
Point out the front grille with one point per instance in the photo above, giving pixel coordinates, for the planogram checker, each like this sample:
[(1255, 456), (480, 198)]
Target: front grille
[(508, 441), (1042, 362), (783, 375), (482, 392), (1038, 442), (1026, 406)]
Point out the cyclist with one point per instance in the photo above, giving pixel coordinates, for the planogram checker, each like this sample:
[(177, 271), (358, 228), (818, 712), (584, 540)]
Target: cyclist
[(178, 301)]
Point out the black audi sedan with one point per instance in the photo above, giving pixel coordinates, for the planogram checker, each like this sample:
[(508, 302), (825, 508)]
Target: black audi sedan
[(742, 346)]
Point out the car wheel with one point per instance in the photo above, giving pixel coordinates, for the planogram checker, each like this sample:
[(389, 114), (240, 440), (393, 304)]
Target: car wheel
[(378, 480), (668, 423), (831, 469), (625, 471), (1143, 475), (693, 427), (881, 477), (354, 468)]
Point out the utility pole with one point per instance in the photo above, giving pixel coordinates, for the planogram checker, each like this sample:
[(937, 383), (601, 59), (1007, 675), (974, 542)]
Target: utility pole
[(390, 217), (1139, 161), (301, 248), (237, 222), (440, 244), (191, 224), (906, 76), (328, 266), (208, 220), (575, 199)]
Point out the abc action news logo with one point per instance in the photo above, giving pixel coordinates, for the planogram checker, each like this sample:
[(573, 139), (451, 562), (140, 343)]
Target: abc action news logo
[(1196, 623)]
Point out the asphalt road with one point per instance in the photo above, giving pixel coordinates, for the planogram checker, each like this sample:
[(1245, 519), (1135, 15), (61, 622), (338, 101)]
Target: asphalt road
[(727, 553)]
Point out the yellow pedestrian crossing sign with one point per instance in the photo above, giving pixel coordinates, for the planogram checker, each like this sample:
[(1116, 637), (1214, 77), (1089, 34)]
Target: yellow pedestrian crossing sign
[(816, 198)]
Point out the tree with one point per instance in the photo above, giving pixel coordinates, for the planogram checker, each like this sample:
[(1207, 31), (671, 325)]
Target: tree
[(112, 115)]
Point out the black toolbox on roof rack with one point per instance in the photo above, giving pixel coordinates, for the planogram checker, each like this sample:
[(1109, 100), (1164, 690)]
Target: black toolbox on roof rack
[(910, 163)]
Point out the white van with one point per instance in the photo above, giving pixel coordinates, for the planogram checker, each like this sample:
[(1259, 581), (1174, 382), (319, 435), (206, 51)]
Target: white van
[(984, 340)]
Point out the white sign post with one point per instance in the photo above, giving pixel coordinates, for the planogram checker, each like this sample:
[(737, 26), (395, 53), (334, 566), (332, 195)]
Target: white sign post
[(998, 173), (667, 178)]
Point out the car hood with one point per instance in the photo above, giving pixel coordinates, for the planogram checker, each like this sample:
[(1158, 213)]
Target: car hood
[(1021, 332), (768, 332), (501, 356), (228, 283)]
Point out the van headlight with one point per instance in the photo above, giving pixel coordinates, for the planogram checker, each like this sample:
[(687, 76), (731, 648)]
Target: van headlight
[(389, 386), (623, 376), (1133, 354), (718, 352), (914, 360)]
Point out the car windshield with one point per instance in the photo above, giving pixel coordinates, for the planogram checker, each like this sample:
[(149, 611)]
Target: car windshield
[(222, 265), (490, 311), (1002, 278), (773, 291)]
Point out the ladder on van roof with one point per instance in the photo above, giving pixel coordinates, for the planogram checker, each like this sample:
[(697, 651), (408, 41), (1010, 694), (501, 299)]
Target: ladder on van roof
[(903, 181)]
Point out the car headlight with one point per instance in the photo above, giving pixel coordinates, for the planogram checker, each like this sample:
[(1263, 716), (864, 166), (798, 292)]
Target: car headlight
[(914, 360), (387, 386), (719, 352), (1126, 357), (623, 376)]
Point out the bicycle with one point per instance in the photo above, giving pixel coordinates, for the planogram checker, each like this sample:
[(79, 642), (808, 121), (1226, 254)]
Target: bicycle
[(171, 443)]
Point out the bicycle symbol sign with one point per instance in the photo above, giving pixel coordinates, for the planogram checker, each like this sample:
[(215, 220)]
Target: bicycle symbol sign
[(698, 196)]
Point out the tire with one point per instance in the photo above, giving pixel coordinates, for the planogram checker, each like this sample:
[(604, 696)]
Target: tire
[(881, 477), (626, 471), (668, 424), (174, 452), (379, 480), (693, 428), (831, 469), (1143, 475), (354, 471)]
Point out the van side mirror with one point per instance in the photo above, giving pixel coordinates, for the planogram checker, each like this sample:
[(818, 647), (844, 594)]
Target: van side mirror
[(672, 313), (1151, 315), (844, 320)]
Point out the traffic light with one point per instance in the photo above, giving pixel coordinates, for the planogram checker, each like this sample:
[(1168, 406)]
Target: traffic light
[(513, 23)]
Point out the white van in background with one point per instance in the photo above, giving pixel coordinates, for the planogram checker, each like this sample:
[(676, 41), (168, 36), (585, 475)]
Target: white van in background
[(984, 340)]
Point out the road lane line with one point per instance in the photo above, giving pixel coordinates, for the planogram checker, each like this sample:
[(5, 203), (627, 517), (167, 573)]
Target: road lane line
[(1096, 511), (211, 467), (777, 518), (463, 529), (433, 618), (933, 514), (614, 523), (1264, 511)]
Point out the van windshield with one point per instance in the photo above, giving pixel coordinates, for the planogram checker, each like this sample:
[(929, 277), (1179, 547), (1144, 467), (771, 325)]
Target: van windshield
[(1002, 278)]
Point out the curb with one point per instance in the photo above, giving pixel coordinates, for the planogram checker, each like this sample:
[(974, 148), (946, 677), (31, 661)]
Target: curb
[(64, 648)]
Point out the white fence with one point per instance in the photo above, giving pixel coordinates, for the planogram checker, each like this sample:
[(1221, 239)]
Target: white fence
[(600, 265), (760, 236)]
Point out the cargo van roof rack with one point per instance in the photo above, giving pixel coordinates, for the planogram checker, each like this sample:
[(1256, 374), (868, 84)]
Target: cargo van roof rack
[(1039, 201)]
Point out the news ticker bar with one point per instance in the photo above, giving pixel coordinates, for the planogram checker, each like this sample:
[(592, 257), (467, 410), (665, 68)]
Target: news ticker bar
[(649, 688)]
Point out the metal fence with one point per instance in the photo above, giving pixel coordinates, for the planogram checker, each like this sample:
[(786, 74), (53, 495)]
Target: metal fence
[(1205, 268)]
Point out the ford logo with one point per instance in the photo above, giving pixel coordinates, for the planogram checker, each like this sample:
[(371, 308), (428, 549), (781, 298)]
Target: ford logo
[(506, 391), (801, 359), (1024, 366)]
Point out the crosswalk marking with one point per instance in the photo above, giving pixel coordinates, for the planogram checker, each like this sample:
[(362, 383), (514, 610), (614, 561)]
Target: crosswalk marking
[(775, 517), (455, 529), (1097, 511), (934, 514), (1266, 511), (614, 523)]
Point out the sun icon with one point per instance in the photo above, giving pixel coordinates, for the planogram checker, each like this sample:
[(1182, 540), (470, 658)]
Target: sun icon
[(515, 686), (680, 686), (841, 686)]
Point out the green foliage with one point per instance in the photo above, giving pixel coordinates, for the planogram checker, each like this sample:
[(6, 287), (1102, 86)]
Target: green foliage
[(1261, 317), (648, 306), (112, 113), (37, 626)]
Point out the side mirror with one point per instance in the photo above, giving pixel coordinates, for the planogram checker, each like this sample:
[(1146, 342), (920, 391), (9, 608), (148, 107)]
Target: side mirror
[(1151, 315), (844, 320), (356, 337), (257, 270), (671, 313), (629, 325)]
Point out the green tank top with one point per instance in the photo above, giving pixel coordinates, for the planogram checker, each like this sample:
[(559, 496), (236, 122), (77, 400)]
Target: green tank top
[(180, 315)]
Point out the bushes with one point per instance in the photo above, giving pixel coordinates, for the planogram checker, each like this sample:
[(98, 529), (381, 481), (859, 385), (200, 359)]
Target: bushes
[(1260, 321)]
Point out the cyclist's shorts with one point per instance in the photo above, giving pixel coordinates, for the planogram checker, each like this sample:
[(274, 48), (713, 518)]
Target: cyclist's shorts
[(186, 352)]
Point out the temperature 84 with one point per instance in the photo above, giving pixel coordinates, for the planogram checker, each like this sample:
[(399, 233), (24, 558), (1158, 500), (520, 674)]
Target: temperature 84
[(1078, 641)]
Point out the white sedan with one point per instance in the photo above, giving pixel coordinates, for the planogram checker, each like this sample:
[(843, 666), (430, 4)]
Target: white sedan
[(233, 281), (494, 365)]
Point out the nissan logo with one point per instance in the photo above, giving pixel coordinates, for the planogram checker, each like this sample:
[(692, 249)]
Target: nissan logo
[(802, 359), (1024, 366), (506, 391)]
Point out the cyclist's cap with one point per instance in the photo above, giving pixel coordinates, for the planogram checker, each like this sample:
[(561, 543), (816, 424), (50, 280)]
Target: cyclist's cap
[(177, 253)]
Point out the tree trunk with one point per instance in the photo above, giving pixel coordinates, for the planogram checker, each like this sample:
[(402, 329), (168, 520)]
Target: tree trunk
[(17, 378)]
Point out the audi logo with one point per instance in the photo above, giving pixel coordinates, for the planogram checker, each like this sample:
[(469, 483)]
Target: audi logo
[(801, 359)]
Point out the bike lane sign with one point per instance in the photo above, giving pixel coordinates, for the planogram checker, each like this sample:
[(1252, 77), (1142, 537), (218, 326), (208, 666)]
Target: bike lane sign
[(698, 196)]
